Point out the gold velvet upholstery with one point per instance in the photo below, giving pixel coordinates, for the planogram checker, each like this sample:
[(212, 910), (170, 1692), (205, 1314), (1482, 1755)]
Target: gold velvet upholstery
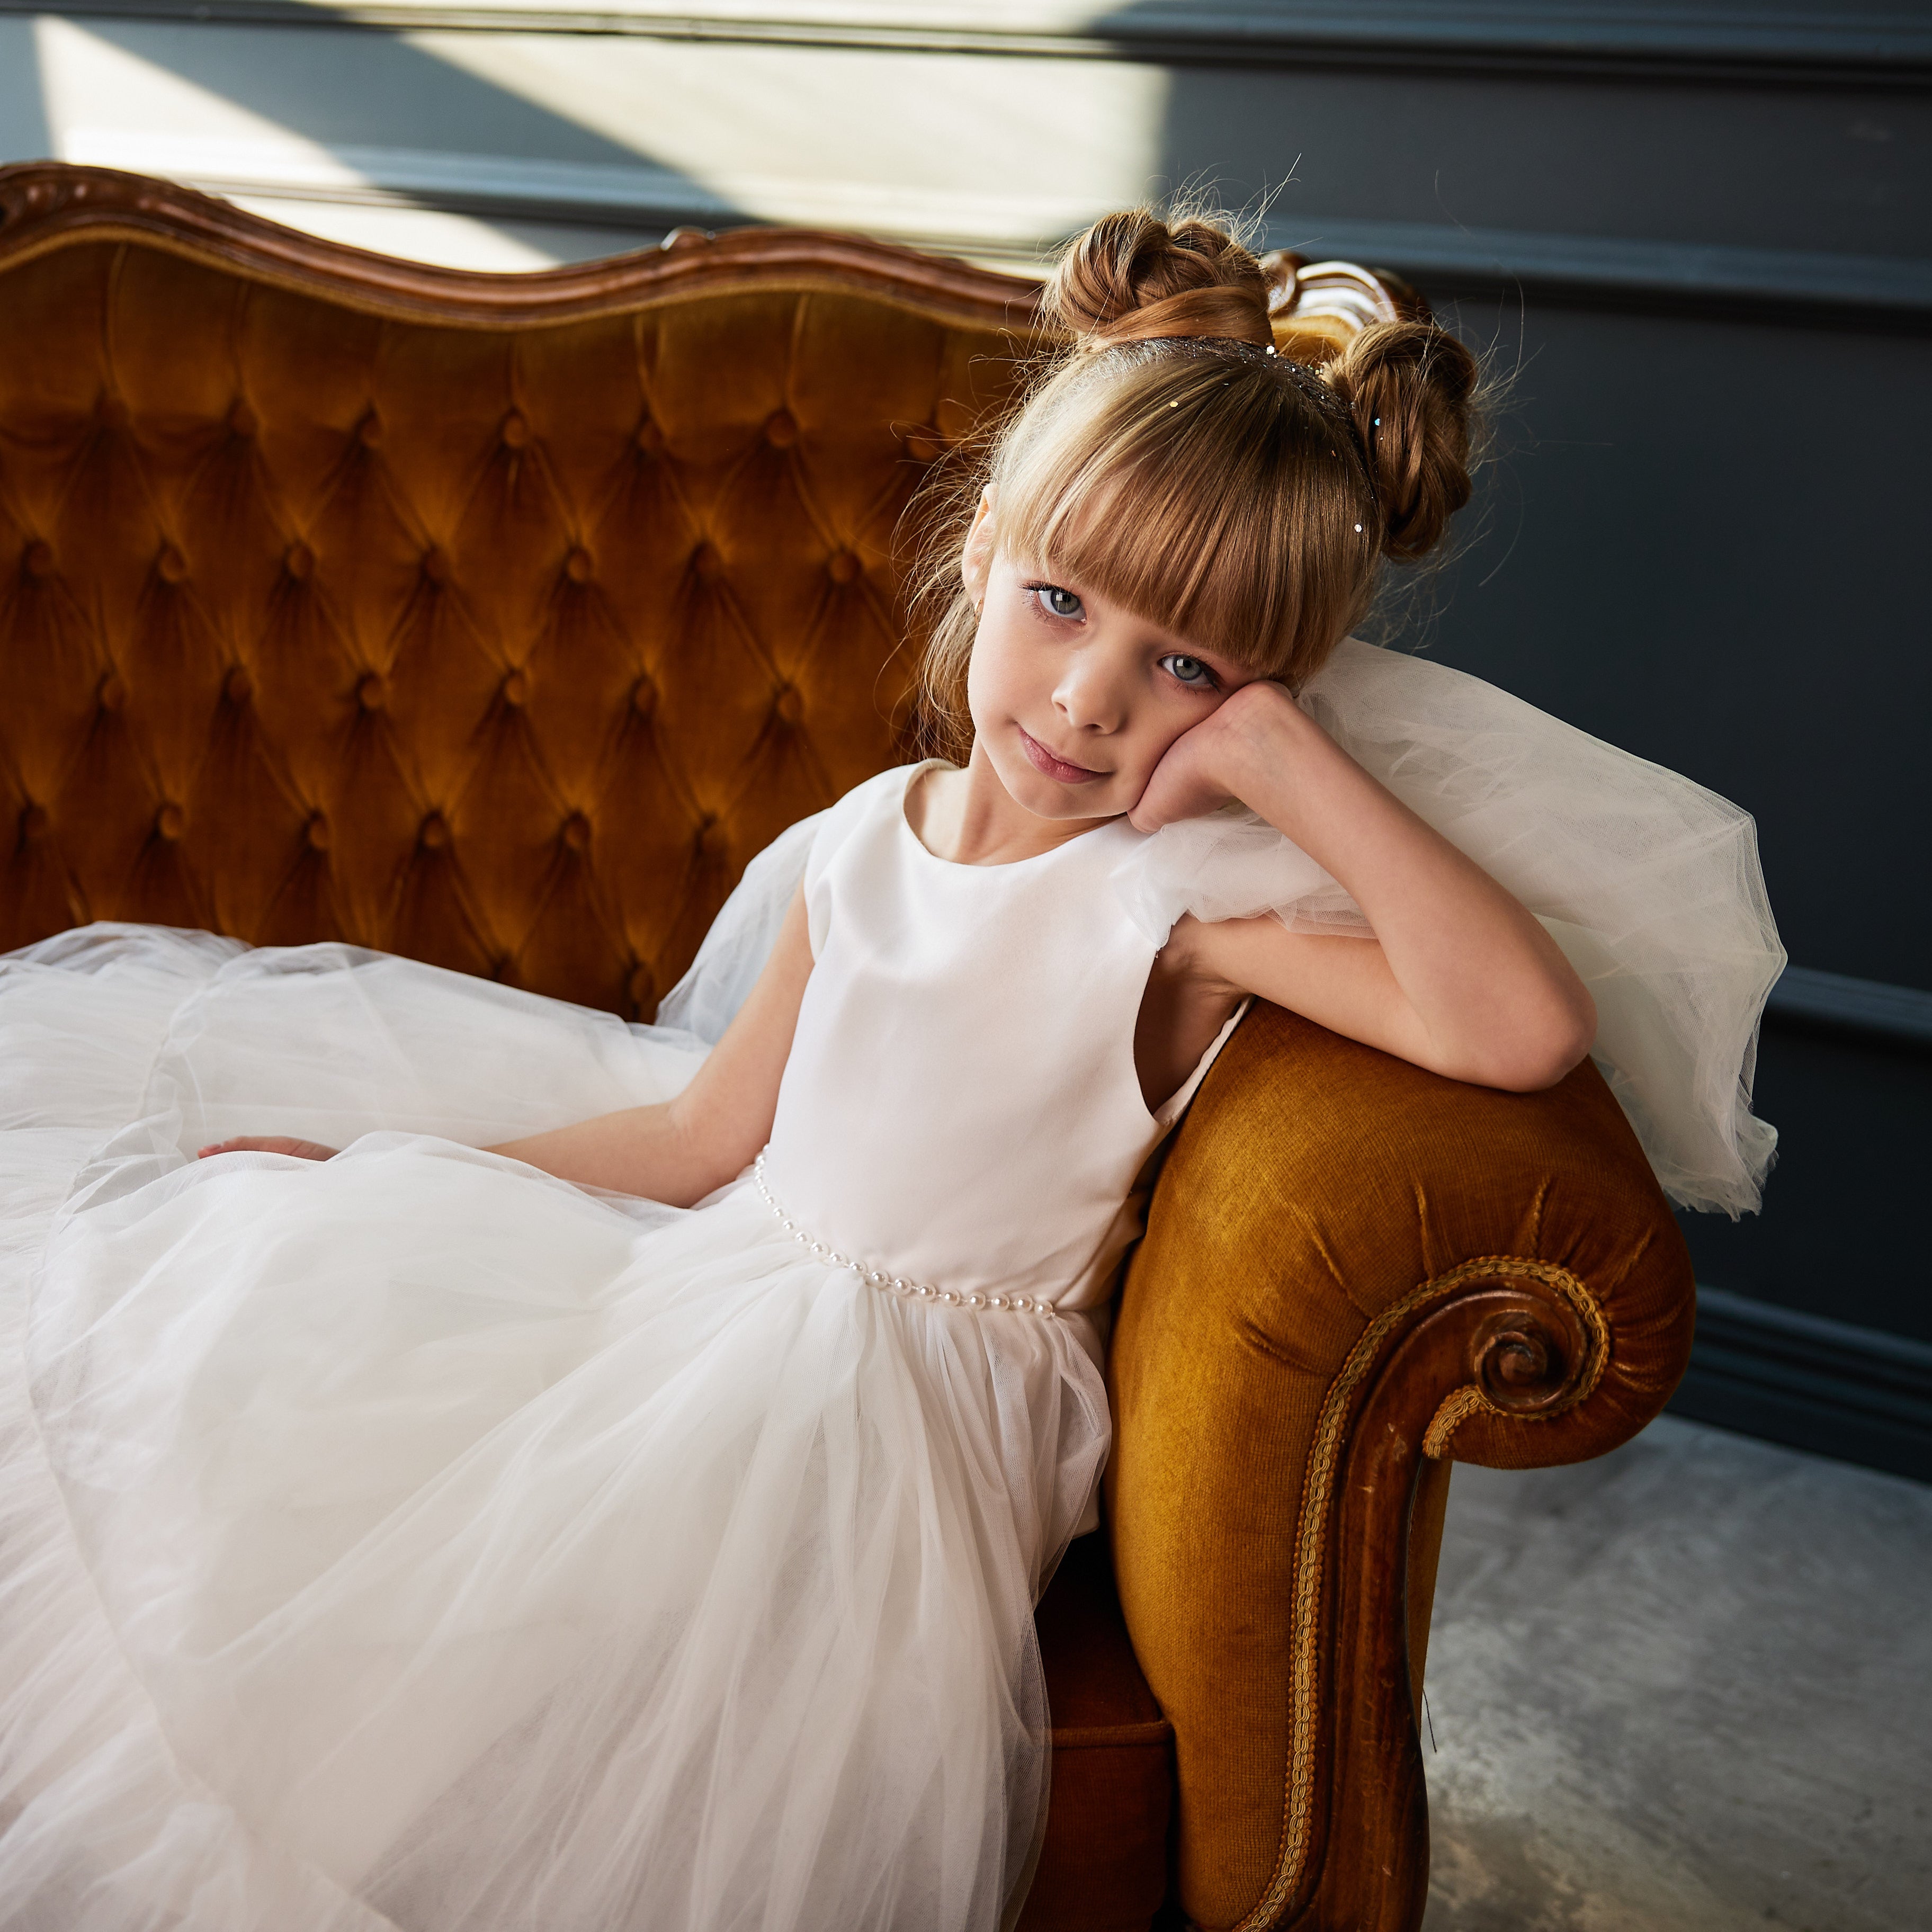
[(1410, 1264), (499, 620), (504, 648)]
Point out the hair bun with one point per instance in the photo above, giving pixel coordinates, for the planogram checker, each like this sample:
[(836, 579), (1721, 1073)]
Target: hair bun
[(1410, 388), (1133, 277)]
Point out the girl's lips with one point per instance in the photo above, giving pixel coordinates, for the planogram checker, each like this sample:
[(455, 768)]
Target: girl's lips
[(1043, 761)]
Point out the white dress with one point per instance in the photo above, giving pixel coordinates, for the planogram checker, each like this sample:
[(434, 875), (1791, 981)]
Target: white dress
[(414, 1539)]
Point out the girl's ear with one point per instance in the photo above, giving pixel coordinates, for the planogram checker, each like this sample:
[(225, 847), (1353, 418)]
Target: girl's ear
[(975, 559)]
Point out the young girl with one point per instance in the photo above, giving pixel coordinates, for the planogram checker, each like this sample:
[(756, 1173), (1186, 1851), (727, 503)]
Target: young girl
[(612, 1490)]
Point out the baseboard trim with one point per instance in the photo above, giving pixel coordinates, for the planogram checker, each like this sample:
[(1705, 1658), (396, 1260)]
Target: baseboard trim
[(1855, 1394)]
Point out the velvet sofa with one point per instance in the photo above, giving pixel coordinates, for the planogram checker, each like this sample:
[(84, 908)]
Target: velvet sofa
[(499, 620)]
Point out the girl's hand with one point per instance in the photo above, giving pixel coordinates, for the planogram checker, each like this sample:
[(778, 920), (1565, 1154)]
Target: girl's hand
[(270, 1144), (1256, 729)]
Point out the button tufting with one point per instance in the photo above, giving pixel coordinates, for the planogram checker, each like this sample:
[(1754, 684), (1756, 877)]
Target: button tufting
[(576, 832), (501, 967), (170, 821), (34, 821), (515, 431), (642, 986), (382, 740)]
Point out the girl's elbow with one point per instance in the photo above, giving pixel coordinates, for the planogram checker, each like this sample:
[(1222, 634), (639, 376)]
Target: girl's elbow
[(1543, 1055), (701, 1153)]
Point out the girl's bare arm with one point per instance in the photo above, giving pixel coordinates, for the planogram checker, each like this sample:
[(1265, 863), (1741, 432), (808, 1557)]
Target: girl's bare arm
[(679, 1151), (1459, 978)]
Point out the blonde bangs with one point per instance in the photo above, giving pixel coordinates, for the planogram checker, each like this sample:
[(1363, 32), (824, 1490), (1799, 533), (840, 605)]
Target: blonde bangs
[(1182, 488), (1203, 491)]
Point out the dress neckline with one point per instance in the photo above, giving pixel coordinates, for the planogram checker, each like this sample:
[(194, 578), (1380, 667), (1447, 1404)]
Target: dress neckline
[(926, 852)]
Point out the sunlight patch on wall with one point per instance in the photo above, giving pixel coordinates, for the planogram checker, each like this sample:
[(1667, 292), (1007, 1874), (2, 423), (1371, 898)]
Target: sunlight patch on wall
[(106, 107), (984, 154), (513, 150)]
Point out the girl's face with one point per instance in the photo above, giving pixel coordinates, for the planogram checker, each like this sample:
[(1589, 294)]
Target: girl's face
[(1074, 699)]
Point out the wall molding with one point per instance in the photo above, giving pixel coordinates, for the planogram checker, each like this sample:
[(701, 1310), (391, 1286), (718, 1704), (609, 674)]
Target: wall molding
[(1009, 232), (639, 201), (1856, 1394), (1707, 276), (1809, 47), (1805, 999)]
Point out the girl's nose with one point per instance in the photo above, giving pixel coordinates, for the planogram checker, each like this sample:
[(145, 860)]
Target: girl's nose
[(1090, 696)]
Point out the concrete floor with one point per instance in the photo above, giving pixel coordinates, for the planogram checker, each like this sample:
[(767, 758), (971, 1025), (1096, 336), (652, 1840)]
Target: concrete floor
[(1685, 1688)]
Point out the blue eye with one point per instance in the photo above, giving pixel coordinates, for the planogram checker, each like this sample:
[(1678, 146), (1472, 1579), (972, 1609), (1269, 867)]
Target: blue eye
[(1057, 600), (1190, 671)]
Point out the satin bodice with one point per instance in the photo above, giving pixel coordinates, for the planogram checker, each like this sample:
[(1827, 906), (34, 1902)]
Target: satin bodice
[(961, 1105)]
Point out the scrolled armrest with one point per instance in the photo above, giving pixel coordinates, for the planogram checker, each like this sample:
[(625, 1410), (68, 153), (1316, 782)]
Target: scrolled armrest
[(1354, 1271)]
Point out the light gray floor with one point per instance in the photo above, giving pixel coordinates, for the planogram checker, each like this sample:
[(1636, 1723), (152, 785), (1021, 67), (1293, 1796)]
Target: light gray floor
[(1685, 1688)]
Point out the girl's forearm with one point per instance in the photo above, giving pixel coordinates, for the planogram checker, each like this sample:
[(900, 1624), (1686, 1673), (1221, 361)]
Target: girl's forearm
[(644, 1150), (678, 1152), (1488, 987)]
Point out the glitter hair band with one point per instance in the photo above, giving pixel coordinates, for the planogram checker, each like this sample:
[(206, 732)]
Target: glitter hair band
[(1306, 377)]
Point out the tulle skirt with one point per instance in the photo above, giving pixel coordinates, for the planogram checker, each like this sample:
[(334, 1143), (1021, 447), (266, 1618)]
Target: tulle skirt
[(413, 1540)]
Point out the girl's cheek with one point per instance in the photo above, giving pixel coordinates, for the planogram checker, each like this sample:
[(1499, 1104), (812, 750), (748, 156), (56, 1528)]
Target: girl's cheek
[(1164, 744)]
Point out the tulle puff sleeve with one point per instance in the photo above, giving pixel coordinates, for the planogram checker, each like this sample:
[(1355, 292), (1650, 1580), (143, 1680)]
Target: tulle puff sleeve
[(1650, 884)]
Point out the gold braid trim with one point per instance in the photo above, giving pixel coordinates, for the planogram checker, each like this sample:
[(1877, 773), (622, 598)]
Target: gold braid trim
[(1318, 1493), (1457, 1408)]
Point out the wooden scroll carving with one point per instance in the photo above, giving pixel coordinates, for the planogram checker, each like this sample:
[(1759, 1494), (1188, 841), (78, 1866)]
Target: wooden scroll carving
[(1523, 1338)]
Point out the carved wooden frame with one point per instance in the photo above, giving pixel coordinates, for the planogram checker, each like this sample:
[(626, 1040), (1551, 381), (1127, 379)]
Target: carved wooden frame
[(1501, 1335), (52, 204)]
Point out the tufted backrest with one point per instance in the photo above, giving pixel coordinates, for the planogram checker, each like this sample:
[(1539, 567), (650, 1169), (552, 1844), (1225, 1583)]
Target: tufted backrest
[(494, 620)]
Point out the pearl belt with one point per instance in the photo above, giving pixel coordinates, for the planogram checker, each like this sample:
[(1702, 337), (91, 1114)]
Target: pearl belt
[(913, 1291)]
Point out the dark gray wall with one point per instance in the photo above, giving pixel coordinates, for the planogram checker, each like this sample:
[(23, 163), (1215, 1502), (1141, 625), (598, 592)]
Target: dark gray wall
[(1707, 268), (1706, 546)]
